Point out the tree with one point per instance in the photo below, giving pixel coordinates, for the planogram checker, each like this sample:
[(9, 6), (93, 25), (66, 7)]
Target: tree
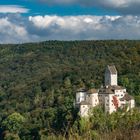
[(13, 122), (67, 82), (125, 81), (11, 136)]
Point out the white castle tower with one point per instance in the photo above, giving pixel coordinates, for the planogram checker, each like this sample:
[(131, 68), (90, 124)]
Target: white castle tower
[(111, 76)]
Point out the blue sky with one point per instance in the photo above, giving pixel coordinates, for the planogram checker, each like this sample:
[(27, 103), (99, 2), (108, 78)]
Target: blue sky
[(38, 20), (62, 10)]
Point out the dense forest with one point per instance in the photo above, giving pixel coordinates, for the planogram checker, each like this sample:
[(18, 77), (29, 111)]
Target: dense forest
[(38, 82)]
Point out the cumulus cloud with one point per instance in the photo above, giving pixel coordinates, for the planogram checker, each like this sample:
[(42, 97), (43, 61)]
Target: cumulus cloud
[(10, 32), (13, 29), (121, 6), (13, 9), (87, 27), (18, 29)]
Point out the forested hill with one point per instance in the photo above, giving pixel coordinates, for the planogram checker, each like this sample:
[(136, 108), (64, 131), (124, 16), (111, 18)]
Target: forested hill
[(39, 80)]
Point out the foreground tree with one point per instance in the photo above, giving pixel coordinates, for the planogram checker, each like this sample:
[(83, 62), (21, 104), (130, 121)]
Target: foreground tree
[(13, 123)]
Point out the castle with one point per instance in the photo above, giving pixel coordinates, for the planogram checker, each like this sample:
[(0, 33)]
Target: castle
[(111, 96)]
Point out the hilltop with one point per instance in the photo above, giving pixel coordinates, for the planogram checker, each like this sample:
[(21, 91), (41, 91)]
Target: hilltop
[(39, 80)]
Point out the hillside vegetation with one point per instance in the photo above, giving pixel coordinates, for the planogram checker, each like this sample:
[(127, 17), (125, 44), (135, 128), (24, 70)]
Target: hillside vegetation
[(38, 82)]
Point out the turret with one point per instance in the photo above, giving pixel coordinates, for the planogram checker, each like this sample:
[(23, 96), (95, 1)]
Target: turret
[(80, 96)]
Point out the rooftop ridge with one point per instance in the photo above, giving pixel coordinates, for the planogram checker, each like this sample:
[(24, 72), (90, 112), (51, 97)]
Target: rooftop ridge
[(112, 69)]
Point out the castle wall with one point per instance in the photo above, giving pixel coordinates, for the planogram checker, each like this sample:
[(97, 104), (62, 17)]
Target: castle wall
[(80, 96), (120, 93), (94, 100), (113, 80), (109, 104), (84, 110), (131, 104), (107, 77), (101, 99)]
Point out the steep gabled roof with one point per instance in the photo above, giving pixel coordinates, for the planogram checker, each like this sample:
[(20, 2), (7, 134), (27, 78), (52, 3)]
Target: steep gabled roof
[(106, 91), (115, 87), (112, 69), (92, 91), (110, 89), (127, 97), (81, 90)]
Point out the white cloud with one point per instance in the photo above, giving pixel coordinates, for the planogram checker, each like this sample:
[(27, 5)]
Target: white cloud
[(13, 9), (87, 27), (11, 32), (19, 29)]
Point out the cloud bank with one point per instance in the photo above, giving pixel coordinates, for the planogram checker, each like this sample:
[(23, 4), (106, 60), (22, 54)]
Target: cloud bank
[(13, 9), (15, 28), (121, 6)]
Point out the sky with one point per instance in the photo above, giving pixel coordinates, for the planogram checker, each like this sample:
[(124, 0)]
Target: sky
[(40, 20)]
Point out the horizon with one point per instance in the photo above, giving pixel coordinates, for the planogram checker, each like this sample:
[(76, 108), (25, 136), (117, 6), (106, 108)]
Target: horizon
[(39, 42)]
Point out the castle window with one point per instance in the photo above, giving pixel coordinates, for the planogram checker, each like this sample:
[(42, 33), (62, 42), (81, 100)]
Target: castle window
[(100, 100)]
